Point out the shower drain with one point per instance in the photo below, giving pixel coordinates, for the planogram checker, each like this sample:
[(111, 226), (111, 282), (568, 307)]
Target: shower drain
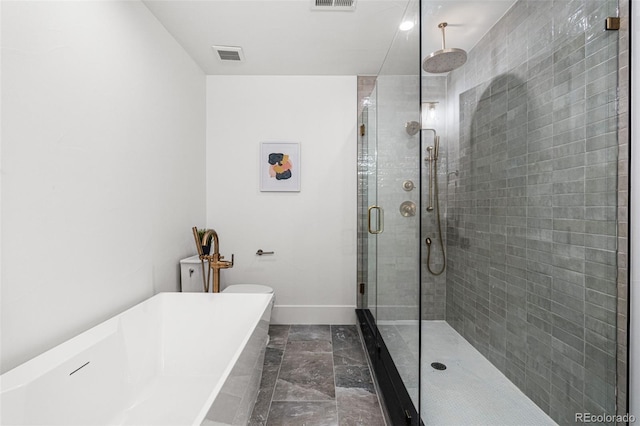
[(438, 366)]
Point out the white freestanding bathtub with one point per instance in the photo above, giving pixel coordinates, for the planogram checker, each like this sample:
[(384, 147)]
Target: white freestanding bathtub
[(174, 359)]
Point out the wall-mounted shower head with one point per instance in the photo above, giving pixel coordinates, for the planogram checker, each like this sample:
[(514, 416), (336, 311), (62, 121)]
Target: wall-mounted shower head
[(412, 127), (444, 60)]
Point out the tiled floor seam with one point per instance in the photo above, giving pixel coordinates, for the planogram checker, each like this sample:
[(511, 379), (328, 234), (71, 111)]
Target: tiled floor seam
[(335, 388), (335, 337), (275, 382)]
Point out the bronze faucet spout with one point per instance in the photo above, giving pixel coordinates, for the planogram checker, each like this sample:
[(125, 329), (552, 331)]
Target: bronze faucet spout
[(215, 260), (211, 235)]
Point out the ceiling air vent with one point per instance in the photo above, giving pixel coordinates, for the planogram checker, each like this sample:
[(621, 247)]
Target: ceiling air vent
[(334, 5), (229, 53)]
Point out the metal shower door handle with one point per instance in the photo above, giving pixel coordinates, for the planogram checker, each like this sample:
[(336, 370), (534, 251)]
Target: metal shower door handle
[(380, 220)]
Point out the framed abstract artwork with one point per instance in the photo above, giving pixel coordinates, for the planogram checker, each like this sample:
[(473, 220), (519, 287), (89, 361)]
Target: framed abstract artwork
[(280, 166)]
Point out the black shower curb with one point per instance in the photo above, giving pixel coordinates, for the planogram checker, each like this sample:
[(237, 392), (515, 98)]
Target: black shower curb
[(397, 400)]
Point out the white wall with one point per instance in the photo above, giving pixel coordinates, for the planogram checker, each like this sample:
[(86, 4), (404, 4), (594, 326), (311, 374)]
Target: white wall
[(103, 144), (313, 232)]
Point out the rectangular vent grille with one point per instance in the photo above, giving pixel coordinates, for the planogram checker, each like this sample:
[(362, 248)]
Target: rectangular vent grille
[(228, 55), (334, 5)]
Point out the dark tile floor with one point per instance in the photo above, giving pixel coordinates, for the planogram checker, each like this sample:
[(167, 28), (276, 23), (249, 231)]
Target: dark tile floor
[(316, 375)]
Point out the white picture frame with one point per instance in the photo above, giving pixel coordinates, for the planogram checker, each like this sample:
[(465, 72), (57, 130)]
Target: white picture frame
[(280, 167)]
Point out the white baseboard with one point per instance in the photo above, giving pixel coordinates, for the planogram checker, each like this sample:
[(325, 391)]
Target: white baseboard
[(313, 314)]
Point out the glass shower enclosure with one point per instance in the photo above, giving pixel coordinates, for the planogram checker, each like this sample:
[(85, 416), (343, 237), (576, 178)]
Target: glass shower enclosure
[(390, 197), (510, 312)]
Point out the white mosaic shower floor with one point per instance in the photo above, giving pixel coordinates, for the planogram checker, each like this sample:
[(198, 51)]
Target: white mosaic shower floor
[(471, 391)]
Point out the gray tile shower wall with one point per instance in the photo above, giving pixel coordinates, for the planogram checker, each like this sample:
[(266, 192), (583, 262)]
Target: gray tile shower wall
[(623, 203), (532, 217), (434, 89)]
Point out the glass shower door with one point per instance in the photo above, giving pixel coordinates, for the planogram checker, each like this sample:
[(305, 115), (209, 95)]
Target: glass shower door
[(398, 201), (367, 187), (393, 222)]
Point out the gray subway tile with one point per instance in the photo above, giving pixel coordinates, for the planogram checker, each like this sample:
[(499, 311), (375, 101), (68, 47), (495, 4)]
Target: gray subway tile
[(543, 260)]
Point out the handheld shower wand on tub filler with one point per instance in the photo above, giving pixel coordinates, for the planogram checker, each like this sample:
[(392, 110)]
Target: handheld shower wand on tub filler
[(214, 260)]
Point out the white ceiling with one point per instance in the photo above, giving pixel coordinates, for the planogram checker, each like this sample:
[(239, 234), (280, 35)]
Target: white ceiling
[(285, 37), (467, 22)]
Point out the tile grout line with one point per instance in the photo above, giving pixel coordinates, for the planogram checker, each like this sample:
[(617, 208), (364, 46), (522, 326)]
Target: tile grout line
[(275, 384), (333, 367), (332, 331)]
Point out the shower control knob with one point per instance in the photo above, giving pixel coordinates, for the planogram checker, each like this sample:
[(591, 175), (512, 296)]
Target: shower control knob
[(408, 209)]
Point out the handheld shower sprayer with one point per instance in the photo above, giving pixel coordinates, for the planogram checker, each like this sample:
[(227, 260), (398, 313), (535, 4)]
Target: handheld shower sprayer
[(432, 160)]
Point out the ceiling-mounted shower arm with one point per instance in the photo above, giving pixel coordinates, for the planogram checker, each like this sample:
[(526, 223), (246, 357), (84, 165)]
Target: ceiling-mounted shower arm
[(444, 60), (442, 26)]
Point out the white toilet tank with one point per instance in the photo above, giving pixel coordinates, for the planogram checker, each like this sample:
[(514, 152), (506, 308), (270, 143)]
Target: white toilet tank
[(191, 279), (191, 275)]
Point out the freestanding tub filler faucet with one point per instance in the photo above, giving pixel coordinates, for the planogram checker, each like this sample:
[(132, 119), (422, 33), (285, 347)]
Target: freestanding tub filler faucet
[(216, 262)]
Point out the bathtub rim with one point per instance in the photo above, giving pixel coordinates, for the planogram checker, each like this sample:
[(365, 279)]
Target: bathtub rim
[(30, 370), (268, 297)]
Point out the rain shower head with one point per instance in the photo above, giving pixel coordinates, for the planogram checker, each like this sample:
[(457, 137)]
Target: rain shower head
[(444, 60)]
